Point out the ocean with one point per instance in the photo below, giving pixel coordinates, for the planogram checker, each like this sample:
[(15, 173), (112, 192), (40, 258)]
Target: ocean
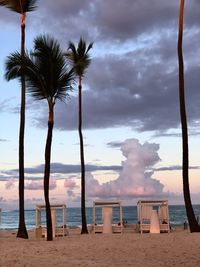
[(9, 219)]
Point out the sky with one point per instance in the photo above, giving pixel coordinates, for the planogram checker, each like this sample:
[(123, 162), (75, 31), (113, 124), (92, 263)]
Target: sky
[(131, 121)]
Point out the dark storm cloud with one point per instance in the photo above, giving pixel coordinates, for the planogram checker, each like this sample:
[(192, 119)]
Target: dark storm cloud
[(111, 20), (135, 82), (137, 89), (105, 20)]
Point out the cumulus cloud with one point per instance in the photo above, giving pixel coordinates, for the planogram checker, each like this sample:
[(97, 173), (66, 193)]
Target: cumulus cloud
[(38, 185), (70, 185), (134, 181)]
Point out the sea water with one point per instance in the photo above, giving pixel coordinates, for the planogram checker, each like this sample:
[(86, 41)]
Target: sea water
[(9, 219)]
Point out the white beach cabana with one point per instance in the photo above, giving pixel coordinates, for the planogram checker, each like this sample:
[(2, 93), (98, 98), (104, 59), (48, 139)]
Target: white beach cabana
[(153, 216), (107, 225), (58, 229)]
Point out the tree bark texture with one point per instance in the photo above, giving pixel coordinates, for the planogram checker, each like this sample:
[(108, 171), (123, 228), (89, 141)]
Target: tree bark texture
[(22, 232), (84, 229), (194, 227), (47, 171)]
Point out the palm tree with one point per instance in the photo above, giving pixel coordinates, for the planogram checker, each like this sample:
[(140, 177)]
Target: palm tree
[(47, 77), (80, 60), (194, 226), (21, 7)]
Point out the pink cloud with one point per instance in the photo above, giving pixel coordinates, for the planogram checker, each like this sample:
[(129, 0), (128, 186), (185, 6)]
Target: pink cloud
[(38, 185), (69, 183), (10, 184), (71, 186), (133, 181)]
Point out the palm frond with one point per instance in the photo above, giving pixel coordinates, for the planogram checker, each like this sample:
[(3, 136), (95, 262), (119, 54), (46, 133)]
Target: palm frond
[(79, 57), (89, 47), (13, 66), (19, 6), (29, 5), (45, 70)]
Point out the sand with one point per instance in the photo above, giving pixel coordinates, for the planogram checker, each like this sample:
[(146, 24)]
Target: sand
[(179, 248)]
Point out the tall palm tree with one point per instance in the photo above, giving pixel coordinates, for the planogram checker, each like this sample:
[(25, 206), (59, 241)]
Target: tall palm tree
[(194, 226), (47, 77), (80, 60), (21, 7)]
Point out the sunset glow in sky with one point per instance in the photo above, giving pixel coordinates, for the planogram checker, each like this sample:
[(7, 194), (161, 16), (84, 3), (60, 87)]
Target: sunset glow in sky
[(130, 104)]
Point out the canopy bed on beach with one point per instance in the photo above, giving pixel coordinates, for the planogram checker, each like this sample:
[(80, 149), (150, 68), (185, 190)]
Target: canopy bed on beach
[(106, 213), (153, 216), (59, 227)]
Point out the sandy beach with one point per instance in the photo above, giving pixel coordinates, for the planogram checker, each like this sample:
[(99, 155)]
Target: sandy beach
[(179, 248)]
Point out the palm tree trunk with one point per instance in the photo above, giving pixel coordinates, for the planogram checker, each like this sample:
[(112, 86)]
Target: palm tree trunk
[(194, 227), (84, 229), (47, 171), (22, 232)]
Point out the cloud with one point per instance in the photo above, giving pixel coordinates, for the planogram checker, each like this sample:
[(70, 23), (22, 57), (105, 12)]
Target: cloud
[(2, 199), (144, 96), (3, 140), (39, 185), (63, 169), (10, 184), (99, 20), (133, 78), (115, 144), (70, 185), (175, 168), (134, 181)]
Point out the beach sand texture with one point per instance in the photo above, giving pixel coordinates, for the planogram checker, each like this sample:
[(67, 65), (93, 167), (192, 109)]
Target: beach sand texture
[(179, 248)]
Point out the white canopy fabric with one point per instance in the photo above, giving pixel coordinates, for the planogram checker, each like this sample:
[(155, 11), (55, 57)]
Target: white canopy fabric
[(153, 216), (107, 217)]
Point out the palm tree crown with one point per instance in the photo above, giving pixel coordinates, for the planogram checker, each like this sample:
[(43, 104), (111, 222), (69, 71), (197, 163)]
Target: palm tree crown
[(80, 60), (45, 70), (79, 57), (19, 6)]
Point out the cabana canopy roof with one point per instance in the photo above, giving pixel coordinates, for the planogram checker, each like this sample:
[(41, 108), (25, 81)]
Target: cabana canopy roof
[(103, 203), (56, 206)]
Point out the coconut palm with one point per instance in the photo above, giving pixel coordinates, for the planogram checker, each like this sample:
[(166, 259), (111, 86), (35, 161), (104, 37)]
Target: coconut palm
[(80, 60), (194, 226), (21, 7), (47, 77)]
